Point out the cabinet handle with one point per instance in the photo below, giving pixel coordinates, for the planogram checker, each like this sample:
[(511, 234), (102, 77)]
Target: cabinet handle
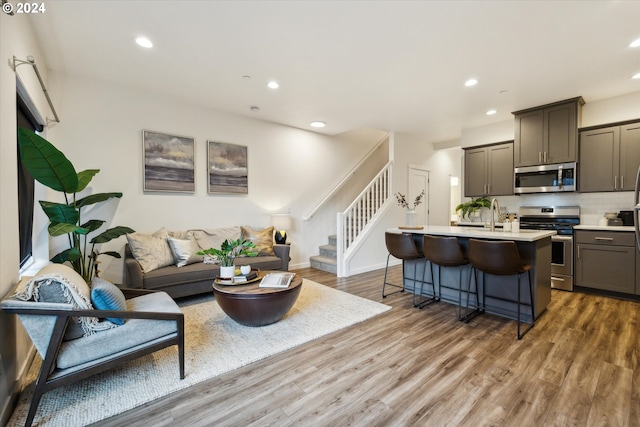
[(607, 239), (545, 157), (615, 182), (488, 188), (622, 182), (578, 251), (539, 156)]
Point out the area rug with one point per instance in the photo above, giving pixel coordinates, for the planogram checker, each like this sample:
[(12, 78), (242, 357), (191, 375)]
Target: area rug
[(214, 344)]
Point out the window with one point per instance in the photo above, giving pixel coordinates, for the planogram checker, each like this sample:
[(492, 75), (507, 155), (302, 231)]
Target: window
[(27, 117)]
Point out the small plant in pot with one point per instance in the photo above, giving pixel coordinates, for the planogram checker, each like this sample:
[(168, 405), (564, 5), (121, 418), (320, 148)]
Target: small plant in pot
[(467, 209), (230, 250)]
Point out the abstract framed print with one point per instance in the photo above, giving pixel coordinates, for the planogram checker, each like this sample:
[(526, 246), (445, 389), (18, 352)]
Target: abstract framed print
[(169, 162)]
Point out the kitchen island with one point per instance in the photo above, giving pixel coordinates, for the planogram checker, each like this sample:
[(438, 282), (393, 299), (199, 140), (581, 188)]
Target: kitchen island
[(534, 247)]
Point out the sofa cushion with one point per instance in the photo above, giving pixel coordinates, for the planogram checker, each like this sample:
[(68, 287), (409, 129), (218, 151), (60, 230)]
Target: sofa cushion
[(262, 238), (107, 296), (213, 238), (58, 283), (184, 251), (151, 250), (133, 332), (172, 275)]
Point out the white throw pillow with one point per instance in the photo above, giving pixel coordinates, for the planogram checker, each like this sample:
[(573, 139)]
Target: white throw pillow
[(184, 251)]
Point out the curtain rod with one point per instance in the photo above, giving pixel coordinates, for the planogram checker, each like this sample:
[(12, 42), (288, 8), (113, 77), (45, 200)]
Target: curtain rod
[(30, 60)]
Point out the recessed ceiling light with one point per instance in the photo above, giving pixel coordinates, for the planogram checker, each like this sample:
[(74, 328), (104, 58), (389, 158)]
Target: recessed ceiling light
[(491, 112), (635, 43), (471, 82), (144, 42), (255, 108), (273, 85), (318, 124), (636, 76)]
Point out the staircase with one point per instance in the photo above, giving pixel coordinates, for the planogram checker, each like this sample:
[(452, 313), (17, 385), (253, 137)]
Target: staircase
[(353, 224), (328, 258)]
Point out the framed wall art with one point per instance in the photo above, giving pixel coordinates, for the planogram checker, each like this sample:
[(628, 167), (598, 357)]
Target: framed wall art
[(169, 162), (227, 171)]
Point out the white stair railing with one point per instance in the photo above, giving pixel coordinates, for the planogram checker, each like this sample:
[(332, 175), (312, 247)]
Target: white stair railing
[(353, 222)]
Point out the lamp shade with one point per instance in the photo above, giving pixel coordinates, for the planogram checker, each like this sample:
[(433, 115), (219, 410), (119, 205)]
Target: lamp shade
[(281, 221)]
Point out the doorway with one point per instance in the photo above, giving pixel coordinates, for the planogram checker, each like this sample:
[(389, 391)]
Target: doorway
[(418, 181)]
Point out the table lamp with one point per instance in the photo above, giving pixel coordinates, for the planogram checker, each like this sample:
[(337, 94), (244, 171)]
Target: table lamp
[(281, 222)]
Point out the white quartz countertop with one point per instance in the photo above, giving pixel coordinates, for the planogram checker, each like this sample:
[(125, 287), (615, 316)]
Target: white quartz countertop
[(605, 228), (478, 233)]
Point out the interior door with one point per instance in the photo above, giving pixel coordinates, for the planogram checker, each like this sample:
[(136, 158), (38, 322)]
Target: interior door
[(418, 182)]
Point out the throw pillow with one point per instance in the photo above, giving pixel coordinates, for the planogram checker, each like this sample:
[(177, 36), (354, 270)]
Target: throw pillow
[(213, 238), (184, 251), (151, 251), (61, 284), (262, 238), (107, 296)]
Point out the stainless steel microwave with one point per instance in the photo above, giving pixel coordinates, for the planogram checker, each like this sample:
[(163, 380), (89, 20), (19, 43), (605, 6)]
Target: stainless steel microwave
[(546, 178)]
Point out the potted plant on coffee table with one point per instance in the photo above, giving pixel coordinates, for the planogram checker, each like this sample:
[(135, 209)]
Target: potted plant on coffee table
[(230, 250)]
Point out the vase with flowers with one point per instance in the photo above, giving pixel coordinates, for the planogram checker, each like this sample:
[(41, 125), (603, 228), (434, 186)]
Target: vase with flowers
[(411, 211), (230, 250)]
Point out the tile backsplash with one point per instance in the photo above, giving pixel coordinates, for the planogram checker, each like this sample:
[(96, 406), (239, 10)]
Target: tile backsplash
[(592, 205)]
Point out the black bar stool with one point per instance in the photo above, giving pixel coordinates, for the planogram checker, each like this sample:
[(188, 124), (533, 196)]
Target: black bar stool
[(401, 246), (500, 258), (444, 252)]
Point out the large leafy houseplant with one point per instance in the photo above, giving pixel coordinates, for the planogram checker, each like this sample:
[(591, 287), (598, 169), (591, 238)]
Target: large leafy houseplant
[(468, 208), (229, 250), (50, 167)]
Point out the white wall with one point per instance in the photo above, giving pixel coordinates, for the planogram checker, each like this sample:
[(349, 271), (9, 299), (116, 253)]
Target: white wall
[(17, 40), (289, 169)]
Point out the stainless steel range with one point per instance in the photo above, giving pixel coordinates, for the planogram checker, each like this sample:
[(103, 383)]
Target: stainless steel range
[(562, 219)]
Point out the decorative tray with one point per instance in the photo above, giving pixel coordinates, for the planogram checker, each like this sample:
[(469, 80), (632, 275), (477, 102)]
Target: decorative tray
[(406, 227), (238, 282)]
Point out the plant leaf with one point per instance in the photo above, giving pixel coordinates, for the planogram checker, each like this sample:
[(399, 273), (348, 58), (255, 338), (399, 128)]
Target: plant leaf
[(111, 234), (60, 228), (71, 254), (85, 177), (46, 163), (93, 225), (58, 212), (111, 253), (96, 198)]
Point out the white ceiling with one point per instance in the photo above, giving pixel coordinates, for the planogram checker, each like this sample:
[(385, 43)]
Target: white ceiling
[(390, 65)]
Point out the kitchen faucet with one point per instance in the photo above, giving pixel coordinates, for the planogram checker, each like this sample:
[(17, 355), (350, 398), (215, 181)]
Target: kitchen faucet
[(493, 219)]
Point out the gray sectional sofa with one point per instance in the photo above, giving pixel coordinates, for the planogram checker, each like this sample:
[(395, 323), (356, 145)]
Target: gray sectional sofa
[(196, 276)]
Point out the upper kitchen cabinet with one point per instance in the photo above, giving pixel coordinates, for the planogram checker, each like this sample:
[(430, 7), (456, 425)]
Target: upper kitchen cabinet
[(609, 158), (547, 134), (488, 170)]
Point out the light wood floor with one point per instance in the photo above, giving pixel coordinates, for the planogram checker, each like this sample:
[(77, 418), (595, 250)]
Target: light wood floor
[(580, 365)]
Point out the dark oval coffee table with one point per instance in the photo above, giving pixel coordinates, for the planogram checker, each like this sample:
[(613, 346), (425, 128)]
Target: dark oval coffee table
[(251, 305)]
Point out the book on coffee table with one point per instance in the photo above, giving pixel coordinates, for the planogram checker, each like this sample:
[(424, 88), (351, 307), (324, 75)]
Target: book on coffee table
[(238, 280), (277, 280)]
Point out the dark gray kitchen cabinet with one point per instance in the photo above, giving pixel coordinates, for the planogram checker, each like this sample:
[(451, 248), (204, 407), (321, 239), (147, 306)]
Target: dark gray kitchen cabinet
[(488, 170), (609, 158), (547, 134), (605, 260)]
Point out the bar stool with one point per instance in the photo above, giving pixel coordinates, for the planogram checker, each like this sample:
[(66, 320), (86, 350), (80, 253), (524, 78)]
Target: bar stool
[(401, 246), (444, 252), (500, 258)]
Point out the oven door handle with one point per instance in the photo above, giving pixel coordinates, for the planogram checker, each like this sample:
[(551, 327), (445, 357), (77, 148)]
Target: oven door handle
[(558, 238)]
